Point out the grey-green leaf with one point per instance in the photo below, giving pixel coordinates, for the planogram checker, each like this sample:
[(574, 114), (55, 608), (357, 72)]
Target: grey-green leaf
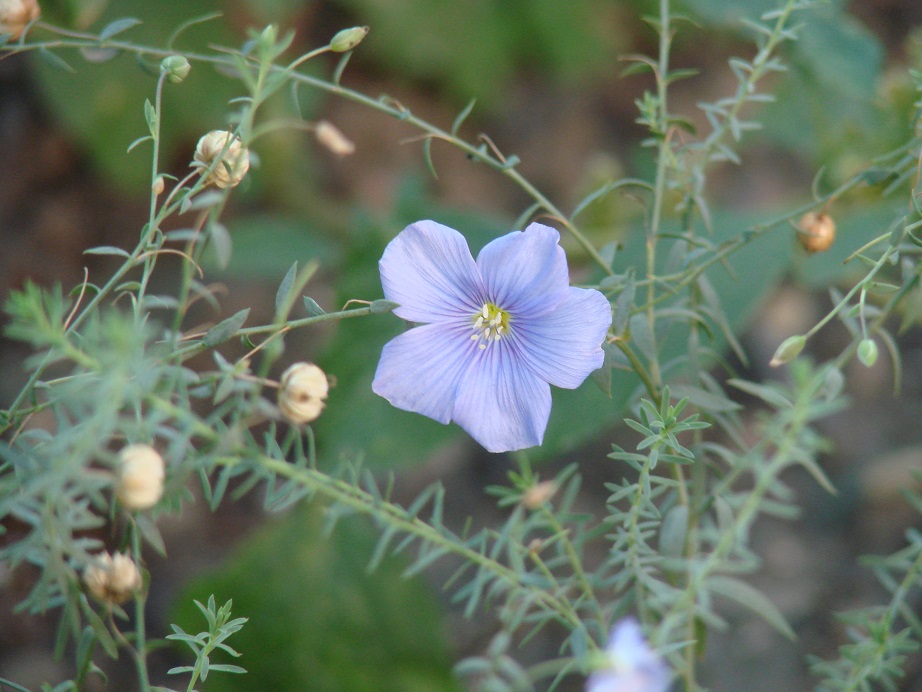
[(223, 331), (117, 27)]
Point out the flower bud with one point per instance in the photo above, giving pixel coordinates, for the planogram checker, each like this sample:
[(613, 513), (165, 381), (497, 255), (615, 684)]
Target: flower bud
[(158, 185), (329, 136), (538, 494), (16, 14), (140, 477), (816, 232), (176, 68), (347, 39), (224, 158), (302, 393), (113, 578), (867, 352), (789, 349)]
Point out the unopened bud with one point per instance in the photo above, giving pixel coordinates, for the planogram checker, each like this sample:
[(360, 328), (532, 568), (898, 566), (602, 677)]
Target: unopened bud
[(158, 185), (140, 477), (15, 15), (347, 39), (329, 136), (538, 494), (816, 232), (789, 349), (113, 578), (224, 157), (303, 392), (867, 352), (176, 68), (266, 40)]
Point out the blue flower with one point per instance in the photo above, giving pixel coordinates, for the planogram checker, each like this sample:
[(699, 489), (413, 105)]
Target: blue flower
[(630, 665), (493, 333)]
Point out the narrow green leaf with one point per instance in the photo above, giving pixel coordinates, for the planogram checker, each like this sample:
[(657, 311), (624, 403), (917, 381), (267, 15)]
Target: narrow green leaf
[(763, 392), (139, 140), (227, 668), (223, 331), (282, 294), (462, 116), (204, 200), (312, 308), (751, 598), (117, 27), (150, 116), (381, 306), (151, 533), (55, 60), (222, 243), (180, 669), (99, 55), (673, 532), (107, 250)]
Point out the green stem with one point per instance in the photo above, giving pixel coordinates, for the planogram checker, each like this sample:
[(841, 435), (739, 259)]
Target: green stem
[(140, 643), (396, 517)]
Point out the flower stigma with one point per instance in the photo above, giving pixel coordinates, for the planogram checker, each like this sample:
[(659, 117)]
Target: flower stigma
[(490, 324)]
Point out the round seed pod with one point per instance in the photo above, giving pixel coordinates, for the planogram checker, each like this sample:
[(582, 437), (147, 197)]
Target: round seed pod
[(816, 232), (140, 477), (16, 14), (234, 158), (113, 578), (303, 392)]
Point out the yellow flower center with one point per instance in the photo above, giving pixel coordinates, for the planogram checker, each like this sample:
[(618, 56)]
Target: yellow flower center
[(490, 324)]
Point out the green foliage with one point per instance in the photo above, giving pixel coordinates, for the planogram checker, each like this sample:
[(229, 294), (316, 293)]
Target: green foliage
[(114, 84), (320, 620), (475, 48), (205, 643)]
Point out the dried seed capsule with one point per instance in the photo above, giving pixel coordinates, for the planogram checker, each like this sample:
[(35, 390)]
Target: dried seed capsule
[(538, 494), (113, 578), (234, 158), (140, 477), (16, 14), (303, 392), (329, 136), (816, 232)]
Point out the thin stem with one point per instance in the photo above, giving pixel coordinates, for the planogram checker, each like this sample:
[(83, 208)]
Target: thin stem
[(140, 600), (151, 259), (397, 518)]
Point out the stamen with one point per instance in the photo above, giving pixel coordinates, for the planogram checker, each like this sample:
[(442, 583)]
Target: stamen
[(491, 324)]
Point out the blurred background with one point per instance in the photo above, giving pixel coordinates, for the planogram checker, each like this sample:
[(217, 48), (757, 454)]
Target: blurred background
[(548, 84)]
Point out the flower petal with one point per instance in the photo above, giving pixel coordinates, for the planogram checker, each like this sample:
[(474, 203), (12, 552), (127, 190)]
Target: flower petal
[(420, 369), (428, 269), (525, 272), (500, 403), (565, 346)]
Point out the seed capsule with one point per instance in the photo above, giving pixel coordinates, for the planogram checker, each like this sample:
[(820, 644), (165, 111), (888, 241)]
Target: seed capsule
[(303, 392), (234, 158), (140, 477), (113, 578), (816, 232), (16, 14)]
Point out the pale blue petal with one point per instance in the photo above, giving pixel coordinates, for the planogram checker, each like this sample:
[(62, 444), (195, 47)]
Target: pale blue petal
[(634, 666), (565, 346), (501, 404), (429, 271), (420, 370), (525, 272)]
